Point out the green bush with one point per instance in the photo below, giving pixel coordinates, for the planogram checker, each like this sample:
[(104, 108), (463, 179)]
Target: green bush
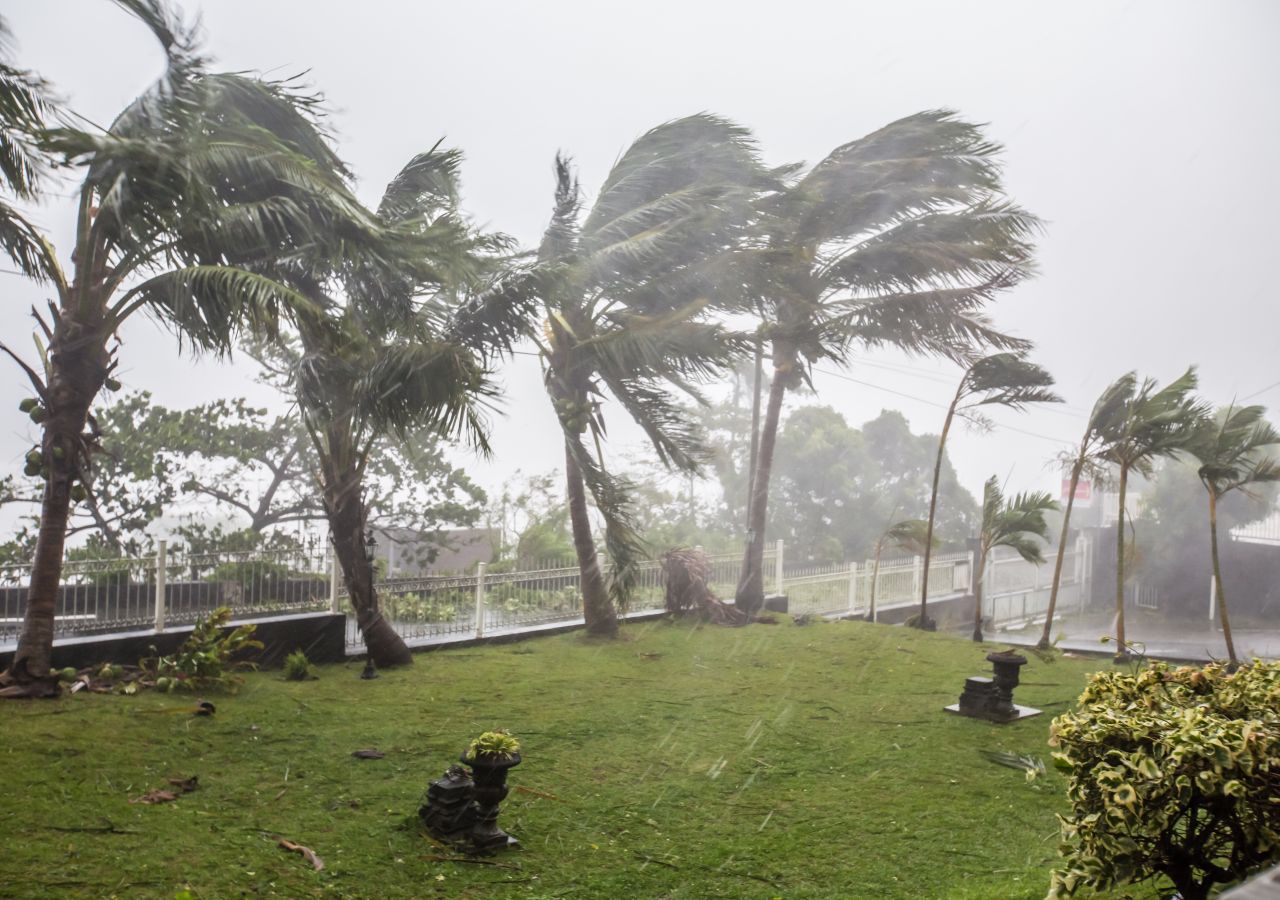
[(1174, 775), (297, 667), (205, 659)]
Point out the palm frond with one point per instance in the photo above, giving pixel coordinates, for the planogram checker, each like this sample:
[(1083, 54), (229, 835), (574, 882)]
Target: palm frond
[(427, 186), (613, 498), (1007, 379)]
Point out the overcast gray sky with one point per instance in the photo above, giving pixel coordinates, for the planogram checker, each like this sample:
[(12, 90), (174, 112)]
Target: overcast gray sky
[(1146, 134)]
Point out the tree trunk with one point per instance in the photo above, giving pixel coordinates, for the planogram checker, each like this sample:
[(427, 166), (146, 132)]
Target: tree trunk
[(750, 594), (78, 366), (1217, 580), (344, 504), (875, 576), (977, 593), (923, 620), (1122, 646), (1043, 643), (597, 608)]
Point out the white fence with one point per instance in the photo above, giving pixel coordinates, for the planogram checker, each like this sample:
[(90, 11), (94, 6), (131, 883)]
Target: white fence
[(442, 608), (1015, 590), (113, 595), (846, 588)]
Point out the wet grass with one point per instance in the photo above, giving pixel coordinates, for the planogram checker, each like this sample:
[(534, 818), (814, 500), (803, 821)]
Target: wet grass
[(680, 761)]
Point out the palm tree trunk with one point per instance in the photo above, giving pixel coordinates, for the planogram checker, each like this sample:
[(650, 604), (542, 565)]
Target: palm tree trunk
[(875, 576), (78, 367), (344, 505), (923, 619), (597, 609), (750, 594), (1043, 643), (1122, 646), (977, 593), (1217, 580)]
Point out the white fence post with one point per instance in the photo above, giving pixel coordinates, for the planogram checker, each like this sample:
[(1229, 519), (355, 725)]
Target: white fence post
[(777, 562), (917, 566), (161, 564), (1213, 599), (334, 574), (853, 587), (480, 600)]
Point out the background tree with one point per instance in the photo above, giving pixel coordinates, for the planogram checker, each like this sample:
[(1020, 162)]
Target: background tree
[(898, 238), (1237, 449), (1085, 462), (1017, 523), (626, 290), (199, 176), (1149, 423), (911, 535), (1002, 379)]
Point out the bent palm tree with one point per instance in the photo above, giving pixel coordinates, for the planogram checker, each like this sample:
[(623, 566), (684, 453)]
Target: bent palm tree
[(1002, 379), (200, 176), (625, 292), (1085, 462), (1232, 449), (1017, 523), (899, 238), (403, 355), (1148, 423)]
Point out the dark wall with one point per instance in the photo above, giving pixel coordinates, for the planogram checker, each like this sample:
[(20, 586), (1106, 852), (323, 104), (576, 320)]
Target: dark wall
[(322, 636)]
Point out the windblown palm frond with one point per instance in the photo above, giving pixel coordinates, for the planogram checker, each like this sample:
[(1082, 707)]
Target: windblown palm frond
[(1236, 447), (1151, 422), (1008, 379), (1017, 523)]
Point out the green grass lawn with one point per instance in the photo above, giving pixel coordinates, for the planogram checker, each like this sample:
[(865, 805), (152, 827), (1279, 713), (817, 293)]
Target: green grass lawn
[(679, 761)]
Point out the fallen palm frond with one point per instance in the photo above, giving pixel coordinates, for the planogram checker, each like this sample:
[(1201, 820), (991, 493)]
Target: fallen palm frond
[(685, 573), (1032, 765)]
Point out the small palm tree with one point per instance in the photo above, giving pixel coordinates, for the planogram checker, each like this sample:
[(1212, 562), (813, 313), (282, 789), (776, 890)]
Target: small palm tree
[(1017, 523), (912, 535), (899, 238), (1149, 422), (626, 290), (1085, 462), (1236, 448), (198, 179), (1002, 379)]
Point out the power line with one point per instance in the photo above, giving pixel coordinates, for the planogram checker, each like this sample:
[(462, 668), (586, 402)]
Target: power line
[(1263, 391)]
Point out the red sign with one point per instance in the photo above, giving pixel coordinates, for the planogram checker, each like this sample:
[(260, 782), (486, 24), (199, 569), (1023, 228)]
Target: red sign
[(1084, 489)]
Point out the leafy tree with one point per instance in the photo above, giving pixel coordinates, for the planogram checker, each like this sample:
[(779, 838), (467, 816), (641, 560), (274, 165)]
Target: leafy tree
[(1237, 450), (1086, 462), (1148, 423), (898, 238), (1002, 379), (625, 291), (1171, 778), (1017, 523), (199, 177)]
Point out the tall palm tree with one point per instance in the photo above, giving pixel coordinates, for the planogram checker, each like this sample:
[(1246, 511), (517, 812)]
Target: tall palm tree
[(898, 238), (1017, 523), (1233, 449), (1149, 422), (625, 291), (1002, 379), (403, 355), (201, 176), (1086, 462)]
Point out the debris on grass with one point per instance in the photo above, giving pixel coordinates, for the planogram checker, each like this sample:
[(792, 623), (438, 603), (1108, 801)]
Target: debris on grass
[(307, 853), (369, 753)]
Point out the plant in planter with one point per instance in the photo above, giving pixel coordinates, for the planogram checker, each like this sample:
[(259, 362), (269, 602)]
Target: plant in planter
[(493, 746), (462, 810)]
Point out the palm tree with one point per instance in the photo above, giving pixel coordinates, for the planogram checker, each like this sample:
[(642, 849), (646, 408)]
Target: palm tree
[(201, 176), (898, 238), (625, 292), (1017, 523), (911, 535), (24, 106), (1086, 461), (401, 356), (1002, 379), (1148, 423), (1232, 449)]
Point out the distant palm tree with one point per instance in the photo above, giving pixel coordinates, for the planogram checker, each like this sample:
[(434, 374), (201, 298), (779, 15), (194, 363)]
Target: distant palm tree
[(1086, 462), (1018, 524), (899, 238), (626, 291), (1232, 447), (911, 535), (1002, 379), (201, 177), (1148, 423)]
